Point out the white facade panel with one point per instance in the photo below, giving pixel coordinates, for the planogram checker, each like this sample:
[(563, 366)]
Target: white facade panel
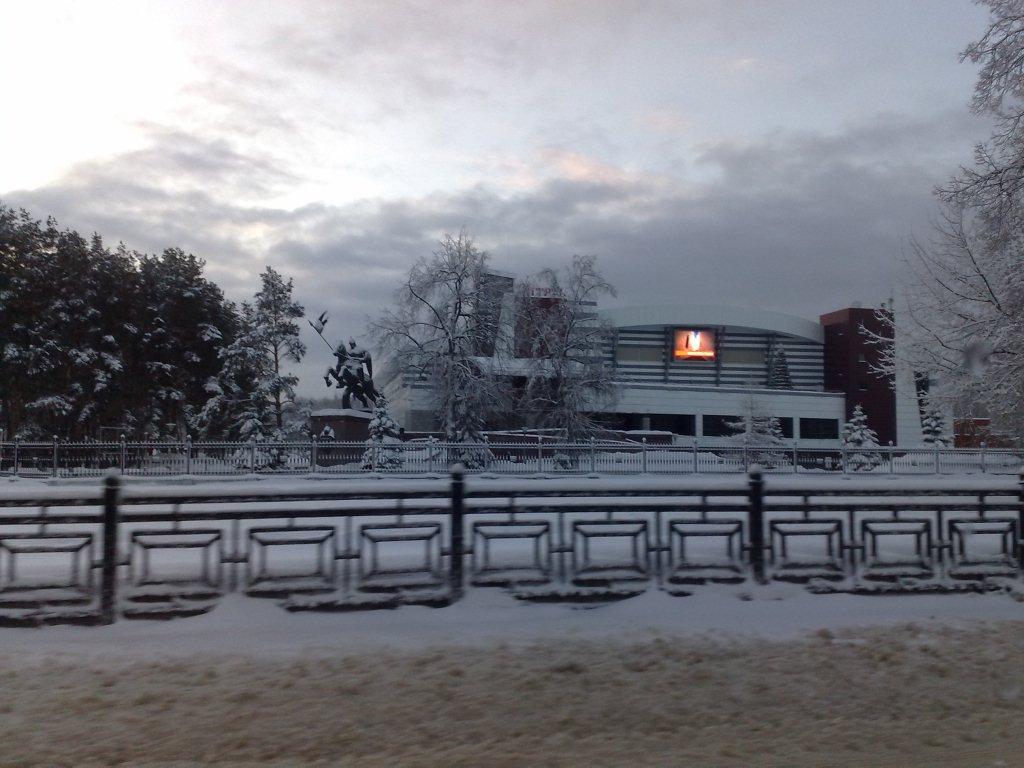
[(732, 401)]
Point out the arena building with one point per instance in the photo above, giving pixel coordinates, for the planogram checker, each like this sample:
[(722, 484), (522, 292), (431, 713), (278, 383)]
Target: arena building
[(694, 369), (691, 370)]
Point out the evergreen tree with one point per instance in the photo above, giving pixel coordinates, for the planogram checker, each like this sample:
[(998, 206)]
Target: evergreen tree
[(933, 427), (239, 402), (278, 333), (778, 370), (182, 323), (380, 451), (93, 340), (760, 433), (62, 307), (860, 442), (251, 397)]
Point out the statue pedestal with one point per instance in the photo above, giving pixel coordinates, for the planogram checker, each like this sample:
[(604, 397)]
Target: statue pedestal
[(348, 424)]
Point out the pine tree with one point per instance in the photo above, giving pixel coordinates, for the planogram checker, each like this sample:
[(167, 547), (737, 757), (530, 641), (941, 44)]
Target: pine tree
[(380, 453), (239, 404), (858, 440), (251, 397), (466, 437), (778, 370), (759, 433), (275, 316), (182, 323), (93, 340), (933, 427)]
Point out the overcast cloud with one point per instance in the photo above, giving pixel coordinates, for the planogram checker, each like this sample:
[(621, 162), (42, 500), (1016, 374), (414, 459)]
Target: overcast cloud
[(775, 154)]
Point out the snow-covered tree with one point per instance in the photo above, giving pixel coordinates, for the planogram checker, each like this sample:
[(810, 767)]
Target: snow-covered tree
[(997, 176), (559, 337), (381, 451), (964, 306), (278, 333), (440, 322), (93, 342), (860, 442), (251, 397), (759, 432), (60, 351), (239, 404), (778, 369), (182, 323), (933, 424)]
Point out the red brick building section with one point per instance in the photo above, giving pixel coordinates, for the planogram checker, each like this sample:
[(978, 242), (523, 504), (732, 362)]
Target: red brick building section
[(848, 368)]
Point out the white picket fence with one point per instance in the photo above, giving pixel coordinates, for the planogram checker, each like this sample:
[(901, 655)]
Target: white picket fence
[(428, 456)]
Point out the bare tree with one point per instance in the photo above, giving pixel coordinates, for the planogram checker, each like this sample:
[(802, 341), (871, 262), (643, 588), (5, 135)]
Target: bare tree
[(440, 322), (560, 338), (964, 311), (963, 317), (997, 177)]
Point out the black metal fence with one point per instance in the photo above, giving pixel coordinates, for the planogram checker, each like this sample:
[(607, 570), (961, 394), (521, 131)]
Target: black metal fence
[(428, 456), (126, 552)]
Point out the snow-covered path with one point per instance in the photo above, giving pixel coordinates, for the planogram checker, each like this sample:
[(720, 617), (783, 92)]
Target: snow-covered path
[(902, 696), (728, 677)]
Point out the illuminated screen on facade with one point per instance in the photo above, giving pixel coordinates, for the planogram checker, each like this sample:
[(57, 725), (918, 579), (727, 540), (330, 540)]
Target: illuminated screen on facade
[(692, 344)]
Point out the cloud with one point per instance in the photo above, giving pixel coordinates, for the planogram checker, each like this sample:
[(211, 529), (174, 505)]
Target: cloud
[(799, 223), (745, 64)]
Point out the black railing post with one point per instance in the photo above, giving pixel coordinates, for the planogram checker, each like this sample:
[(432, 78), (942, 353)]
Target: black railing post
[(108, 582), (1020, 520), (756, 521), (456, 545)]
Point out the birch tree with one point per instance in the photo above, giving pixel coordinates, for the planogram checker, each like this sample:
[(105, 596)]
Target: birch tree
[(963, 315), (560, 339), (440, 321)]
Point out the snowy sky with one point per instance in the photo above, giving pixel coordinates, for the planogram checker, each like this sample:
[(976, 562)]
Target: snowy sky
[(776, 153)]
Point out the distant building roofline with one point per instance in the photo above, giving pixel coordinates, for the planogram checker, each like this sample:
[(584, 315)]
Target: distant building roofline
[(714, 315)]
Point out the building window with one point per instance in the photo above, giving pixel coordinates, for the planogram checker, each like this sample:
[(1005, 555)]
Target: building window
[(718, 426), (819, 429), (786, 425), (742, 357), (632, 354), (693, 344), (679, 424)]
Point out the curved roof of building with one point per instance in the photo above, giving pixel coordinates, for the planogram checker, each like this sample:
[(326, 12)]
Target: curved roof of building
[(711, 315)]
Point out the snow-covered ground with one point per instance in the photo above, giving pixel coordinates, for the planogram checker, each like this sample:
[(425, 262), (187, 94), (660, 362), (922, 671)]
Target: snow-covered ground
[(734, 675), (731, 676)]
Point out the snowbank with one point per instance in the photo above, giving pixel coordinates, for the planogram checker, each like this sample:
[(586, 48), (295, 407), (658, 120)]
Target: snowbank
[(727, 677)]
